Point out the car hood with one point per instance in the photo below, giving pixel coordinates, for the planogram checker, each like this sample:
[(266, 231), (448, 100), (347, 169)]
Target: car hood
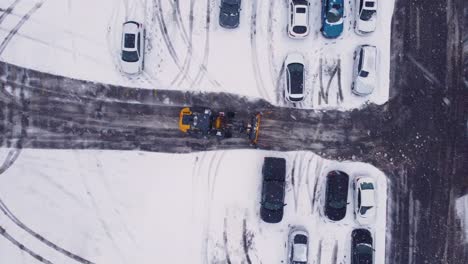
[(332, 31), (229, 20), (364, 86), (130, 67), (300, 252), (367, 26)]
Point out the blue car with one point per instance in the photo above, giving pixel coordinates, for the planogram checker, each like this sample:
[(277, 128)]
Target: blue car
[(332, 18)]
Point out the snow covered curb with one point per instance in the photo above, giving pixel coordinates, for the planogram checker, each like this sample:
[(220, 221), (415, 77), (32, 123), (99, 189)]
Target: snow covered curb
[(461, 206)]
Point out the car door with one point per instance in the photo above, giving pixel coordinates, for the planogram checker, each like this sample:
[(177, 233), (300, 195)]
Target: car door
[(359, 201), (291, 22)]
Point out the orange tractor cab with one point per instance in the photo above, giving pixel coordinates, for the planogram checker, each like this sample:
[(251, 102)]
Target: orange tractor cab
[(204, 123)]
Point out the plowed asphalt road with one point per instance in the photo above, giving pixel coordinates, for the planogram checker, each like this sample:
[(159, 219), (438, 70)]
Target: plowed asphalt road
[(419, 138)]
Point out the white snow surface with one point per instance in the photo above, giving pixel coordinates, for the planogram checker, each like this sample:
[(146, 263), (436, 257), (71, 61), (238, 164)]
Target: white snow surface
[(139, 207), (461, 206), (81, 39)]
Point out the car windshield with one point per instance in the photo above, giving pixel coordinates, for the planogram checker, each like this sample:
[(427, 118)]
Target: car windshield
[(334, 14), (363, 74), (273, 205), (367, 186), (366, 15), (364, 209), (130, 56), (296, 72), (129, 41), (230, 8), (301, 10)]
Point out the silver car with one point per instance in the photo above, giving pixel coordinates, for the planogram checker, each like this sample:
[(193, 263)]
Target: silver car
[(298, 246), (365, 70), (298, 18), (133, 47), (366, 16)]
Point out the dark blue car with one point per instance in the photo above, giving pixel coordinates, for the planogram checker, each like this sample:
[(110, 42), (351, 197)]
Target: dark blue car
[(229, 13), (332, 18)]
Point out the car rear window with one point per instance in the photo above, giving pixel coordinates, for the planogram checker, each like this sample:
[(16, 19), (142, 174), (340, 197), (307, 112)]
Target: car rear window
[(129, 41), (300, 10), (299, 29)]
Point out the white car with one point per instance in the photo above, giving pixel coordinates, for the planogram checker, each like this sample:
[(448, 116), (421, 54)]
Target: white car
[(294, 73), (366, 16), (364, 200), (298, 246), (133, 47), (365, 70), (298, 19)]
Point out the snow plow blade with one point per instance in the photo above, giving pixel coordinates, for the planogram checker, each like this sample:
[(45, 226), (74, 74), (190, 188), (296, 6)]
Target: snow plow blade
[(254, 129)]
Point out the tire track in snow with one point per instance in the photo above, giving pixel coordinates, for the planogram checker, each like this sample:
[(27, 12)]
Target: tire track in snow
[(225, 240), (215, 176), (253, 47), (162, 26), (310, 195), (188, 58), (207, 202), (23, 20), (15, 242), (203, 67), (8, 10), (323, 93), (319, 253), (247, 237), (335, 253), (187, 38), (271, 48), (39, 237)]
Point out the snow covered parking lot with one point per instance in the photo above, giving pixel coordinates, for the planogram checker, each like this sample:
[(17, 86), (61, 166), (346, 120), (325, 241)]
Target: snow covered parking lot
[(187, 49), (138, 207)]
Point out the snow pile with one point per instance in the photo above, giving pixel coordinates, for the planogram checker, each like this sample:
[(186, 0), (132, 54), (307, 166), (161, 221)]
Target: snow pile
[(187, 49), (139, 207), (461, 206)]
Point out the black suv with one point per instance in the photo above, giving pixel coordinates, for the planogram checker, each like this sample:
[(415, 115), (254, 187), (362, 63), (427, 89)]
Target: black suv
[(336, 195), (273, 189), (362, 251)]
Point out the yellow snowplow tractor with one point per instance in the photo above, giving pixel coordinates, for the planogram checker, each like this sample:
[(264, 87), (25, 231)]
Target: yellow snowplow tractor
[(204, 123), (253, 129)]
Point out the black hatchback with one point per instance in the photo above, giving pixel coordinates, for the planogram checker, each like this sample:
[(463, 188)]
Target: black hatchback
[(273, 189), (362, 251), (336, 195), (229, 13)]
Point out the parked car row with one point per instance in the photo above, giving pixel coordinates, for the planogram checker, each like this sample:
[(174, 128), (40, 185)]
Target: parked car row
[(336, 201), (332, 17), (364, 73), (332, 13), (336, 194), (362, 246), (336, 197)]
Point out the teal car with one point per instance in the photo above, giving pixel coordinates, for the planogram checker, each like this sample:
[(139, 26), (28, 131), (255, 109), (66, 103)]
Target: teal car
[(332, 18)]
